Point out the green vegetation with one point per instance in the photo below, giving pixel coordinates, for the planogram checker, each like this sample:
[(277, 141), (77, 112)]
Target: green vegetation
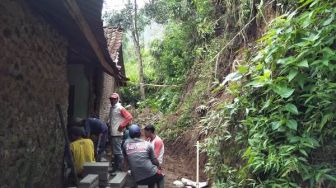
[(131, 94), (283, 112), (274, 123)]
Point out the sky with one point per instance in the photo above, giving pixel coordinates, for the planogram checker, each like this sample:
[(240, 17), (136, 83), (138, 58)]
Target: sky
[(110, 5)]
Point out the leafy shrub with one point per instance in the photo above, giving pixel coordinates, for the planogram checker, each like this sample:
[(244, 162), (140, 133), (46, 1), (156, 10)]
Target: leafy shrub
[(286, 109), (130, 94)]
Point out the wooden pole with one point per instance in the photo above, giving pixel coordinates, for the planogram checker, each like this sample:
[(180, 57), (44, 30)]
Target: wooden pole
[(197, 164), (67, 142)]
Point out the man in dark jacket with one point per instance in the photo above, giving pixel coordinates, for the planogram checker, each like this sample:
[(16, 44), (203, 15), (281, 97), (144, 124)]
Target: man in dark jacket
[(96, 130), (141, 159)]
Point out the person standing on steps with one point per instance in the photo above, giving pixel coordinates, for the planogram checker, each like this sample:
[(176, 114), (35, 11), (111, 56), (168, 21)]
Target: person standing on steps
[(97, 131), (119, 118), (145, 168), (156, 142), (82, 149)]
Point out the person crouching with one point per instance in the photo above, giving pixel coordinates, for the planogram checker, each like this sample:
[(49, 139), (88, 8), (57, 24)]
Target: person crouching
[(82, 149), (141, 159)]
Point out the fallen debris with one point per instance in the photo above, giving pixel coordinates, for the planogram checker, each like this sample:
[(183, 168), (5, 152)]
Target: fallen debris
[(178, 183), (186, 183)]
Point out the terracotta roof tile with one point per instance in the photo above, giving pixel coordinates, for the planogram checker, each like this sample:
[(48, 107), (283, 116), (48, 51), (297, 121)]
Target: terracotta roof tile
[(114, 41)]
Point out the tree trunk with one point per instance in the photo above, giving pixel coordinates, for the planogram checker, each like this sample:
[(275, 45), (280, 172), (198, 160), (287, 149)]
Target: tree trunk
[(136, 41), (140, 67)]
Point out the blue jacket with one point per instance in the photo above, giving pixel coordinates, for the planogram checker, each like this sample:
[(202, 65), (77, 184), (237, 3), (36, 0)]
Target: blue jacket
[(95, 126)]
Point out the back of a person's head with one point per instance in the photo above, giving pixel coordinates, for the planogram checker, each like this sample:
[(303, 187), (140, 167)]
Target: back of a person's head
[(134, 131), (150, 128), (77, 122), (77, 132)]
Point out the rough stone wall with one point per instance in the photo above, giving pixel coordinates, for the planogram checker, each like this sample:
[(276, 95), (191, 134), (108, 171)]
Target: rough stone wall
[(108, 88), (32, 81)]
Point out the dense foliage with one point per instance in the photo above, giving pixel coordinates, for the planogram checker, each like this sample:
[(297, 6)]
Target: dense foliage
[(175, 54), (279, 128), (283, 114)]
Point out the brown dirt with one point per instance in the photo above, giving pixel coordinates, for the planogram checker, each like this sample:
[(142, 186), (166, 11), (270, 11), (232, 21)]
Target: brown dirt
[(179, 165), (180, 154), (175, 168), (180, 159)]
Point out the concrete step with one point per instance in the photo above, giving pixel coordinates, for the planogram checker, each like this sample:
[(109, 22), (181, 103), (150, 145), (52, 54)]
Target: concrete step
[(103, 176), (97, 166), (89, 181), (119, 180)]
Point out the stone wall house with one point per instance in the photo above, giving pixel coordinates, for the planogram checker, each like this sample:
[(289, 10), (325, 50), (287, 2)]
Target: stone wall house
[(51, 52)]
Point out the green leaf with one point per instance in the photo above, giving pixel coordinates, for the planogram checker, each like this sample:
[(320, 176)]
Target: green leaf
[(303, 152), (291, 108), (325, 62), (256, 83), (303, 63), (286, 61), (294, 139), (283, 91), (243, 69), (316, 62), (325, 119), (312, 37), (267, 74), (292, 75), (292, 124), (328, 21), (305, 2), (259, 67), (306, 23), (266, 105), (275, 125), (330, 177), (301, 79)]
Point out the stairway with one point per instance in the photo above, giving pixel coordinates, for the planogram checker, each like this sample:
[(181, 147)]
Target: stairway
[(97, 176), (118, 181)]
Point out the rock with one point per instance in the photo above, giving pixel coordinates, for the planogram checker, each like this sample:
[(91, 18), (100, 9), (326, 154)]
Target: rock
[(178, 183)]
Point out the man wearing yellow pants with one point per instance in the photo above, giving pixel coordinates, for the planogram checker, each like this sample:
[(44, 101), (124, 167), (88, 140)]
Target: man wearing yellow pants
[(82, 149)]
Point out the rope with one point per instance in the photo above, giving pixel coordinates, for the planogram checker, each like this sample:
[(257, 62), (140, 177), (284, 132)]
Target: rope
[(156, 85)]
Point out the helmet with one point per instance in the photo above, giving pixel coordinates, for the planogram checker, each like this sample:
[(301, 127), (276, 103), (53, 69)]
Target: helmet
[(134, 131)]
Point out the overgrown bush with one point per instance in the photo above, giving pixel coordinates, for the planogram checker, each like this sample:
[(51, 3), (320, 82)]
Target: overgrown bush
[(285, 110)]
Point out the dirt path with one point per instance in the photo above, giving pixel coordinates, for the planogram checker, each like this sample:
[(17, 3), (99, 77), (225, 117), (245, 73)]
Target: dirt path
[(176, 168), (179, 158)]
